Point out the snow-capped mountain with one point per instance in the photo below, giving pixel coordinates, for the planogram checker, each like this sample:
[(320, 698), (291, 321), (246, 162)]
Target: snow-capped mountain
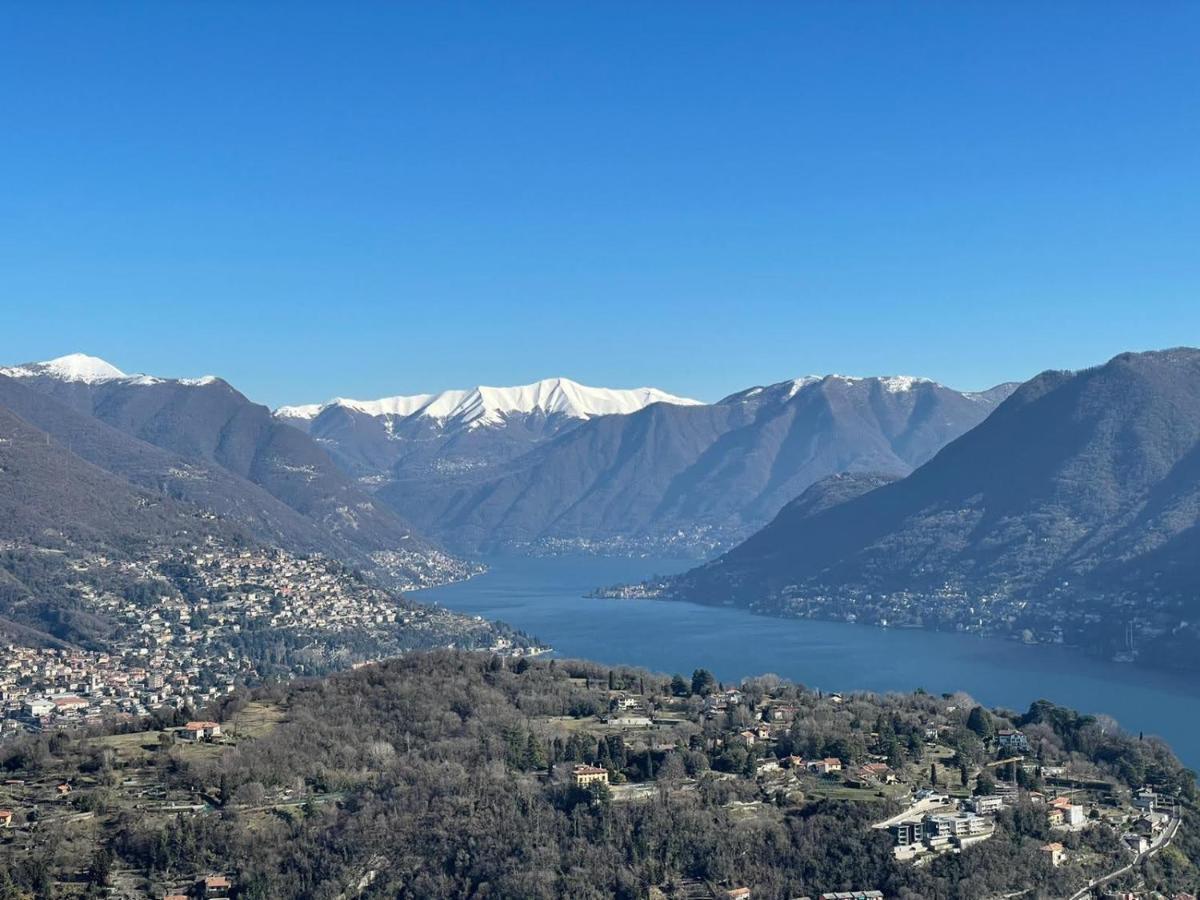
[(670, 476), (72, 367), (545, 465), (201, 440), (80, 368), (481, 406), (458, 430), (783, 391), (1081, 492)]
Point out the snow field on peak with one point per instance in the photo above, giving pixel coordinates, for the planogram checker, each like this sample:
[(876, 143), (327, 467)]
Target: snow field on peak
[(490, 405)]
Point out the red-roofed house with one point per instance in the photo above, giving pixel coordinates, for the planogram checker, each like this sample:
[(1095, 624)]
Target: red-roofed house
[(217, 886)]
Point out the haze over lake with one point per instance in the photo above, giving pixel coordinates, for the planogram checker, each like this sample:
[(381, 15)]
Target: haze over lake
[(545, 597)]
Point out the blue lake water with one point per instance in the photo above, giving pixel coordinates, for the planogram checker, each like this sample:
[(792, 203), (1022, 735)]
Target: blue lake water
[(544, 598)]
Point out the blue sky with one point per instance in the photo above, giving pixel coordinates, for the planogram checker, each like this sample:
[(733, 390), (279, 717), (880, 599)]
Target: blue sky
[(368, 199)]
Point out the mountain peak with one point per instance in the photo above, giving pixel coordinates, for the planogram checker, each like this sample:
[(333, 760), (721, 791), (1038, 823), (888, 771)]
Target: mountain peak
[(786, 390), (484, 405), (72, 367), (83, 369)]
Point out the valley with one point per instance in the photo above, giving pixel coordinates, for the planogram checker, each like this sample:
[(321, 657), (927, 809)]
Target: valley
[(590, 451), (175, 555), (558, 467), (1069, 515)]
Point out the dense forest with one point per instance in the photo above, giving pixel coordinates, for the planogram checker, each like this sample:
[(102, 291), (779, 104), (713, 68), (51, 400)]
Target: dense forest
[(441, 775)]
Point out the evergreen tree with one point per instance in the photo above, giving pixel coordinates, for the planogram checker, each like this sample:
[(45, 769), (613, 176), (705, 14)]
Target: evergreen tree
[(980, 722), (535, 756), (100, 870), (703, 682)]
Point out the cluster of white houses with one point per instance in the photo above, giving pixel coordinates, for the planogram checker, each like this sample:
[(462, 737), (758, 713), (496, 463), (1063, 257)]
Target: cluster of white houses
[(957, 824), (176, 650), (46, 687)]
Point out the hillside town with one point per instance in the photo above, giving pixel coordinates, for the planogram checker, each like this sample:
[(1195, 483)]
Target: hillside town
[(956, 779), (190, 627), (1115, 625), (913, 783), (1109, 624)]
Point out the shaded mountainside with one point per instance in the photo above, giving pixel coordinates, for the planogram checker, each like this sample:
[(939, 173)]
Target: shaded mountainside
[(206, 485), (458, 430), (90, 557), (693, 476), (1081, 488), (237, 460), (387, 447), (834, 491), (55, 509), (56, 498)]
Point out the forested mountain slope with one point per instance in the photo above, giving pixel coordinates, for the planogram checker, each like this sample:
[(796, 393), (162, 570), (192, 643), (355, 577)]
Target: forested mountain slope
[(1080, 495), (692, 477), (211, 426)]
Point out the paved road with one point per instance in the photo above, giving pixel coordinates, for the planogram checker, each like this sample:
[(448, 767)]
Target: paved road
[(1167, 835), (918, 809)]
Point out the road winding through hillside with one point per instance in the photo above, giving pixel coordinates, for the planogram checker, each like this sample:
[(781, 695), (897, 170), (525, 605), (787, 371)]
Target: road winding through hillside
[(1165, 838)]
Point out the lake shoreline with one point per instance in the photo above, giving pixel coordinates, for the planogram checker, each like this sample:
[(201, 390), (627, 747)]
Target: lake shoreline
[(546, 598)]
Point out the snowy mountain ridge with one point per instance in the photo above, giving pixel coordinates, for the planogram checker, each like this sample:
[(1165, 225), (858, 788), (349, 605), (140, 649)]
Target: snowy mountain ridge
[(784, 391), (79, 367), (484, 405), (72, 367)]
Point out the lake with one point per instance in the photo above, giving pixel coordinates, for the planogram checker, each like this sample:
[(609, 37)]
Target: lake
[(544, 598)]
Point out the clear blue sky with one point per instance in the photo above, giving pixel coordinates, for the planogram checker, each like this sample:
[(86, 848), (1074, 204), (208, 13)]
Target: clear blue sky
[(364, 199)]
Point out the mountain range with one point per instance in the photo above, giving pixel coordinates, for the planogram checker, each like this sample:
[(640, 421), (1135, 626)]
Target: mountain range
[(553, 466), (1071, 513), (432, 435), (671, 476), (1063, 509), (201, 441)]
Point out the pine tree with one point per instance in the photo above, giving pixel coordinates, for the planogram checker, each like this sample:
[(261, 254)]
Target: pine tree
[(980, 722), (100, 870), (535, 756)]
